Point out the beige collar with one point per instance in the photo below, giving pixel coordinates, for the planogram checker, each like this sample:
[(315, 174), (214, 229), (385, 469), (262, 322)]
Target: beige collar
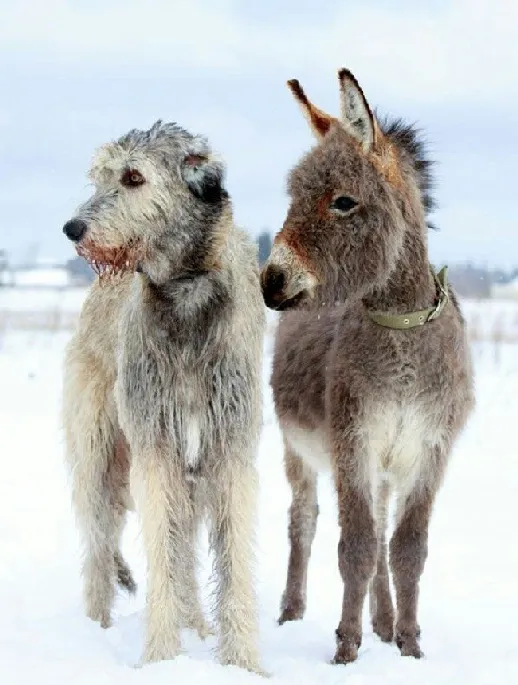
[(420, 317)]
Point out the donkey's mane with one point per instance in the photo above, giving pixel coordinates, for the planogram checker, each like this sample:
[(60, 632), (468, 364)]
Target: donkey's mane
[(409, 139)]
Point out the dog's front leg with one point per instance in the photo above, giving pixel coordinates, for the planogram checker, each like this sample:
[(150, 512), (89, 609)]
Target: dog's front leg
[(166, 511), (233, 504)]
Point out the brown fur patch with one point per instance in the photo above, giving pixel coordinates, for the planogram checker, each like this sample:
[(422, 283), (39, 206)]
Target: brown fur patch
[(195, 160), (323, 204), (110, 262), (319, 121), (386, 160), (117, 474), (292, 240)]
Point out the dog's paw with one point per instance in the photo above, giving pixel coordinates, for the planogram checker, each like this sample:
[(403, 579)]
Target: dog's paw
[(159, 652), (100, 616), (202, 628)]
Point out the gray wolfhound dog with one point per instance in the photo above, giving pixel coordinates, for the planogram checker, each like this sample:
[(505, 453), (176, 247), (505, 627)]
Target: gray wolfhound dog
[(162, 381), (372, 375)]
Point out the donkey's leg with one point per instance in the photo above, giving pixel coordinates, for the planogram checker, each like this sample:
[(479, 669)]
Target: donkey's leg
[(166, 511), (302, 527), (233, 496), (357, 547), (408, 551), (381, 609)]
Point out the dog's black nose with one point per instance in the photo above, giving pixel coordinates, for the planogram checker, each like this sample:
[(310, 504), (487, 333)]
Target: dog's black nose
[(75, 229)]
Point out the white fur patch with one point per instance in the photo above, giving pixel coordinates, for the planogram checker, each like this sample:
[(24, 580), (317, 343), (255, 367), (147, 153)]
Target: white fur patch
[(397, 444), (309, 445), (188, 431), (398, 441), (191, 440)]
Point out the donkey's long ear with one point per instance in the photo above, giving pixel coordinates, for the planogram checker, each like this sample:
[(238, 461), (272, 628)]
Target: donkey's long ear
[(204, 175), (357, 117), (319, 121)]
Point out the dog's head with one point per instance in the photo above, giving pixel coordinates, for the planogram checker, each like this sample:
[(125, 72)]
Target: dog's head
[(159, 205)]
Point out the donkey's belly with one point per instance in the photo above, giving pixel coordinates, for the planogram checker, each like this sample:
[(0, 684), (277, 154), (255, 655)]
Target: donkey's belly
[(399, 440), (308, 444)]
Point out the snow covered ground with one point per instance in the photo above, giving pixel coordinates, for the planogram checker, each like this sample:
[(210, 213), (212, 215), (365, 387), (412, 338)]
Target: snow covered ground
[(469, 591)]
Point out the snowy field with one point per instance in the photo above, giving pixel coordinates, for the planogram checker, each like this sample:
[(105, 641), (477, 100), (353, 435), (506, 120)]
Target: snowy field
[(469, 591)]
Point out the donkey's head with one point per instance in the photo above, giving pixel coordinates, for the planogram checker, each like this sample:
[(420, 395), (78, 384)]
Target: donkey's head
[(358, 203)]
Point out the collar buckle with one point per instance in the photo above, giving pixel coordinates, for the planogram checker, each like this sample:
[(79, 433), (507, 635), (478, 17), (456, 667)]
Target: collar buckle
[(441, 302)]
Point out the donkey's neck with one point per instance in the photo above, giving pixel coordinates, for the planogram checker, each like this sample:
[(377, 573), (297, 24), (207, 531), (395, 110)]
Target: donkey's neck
[(411, 285)]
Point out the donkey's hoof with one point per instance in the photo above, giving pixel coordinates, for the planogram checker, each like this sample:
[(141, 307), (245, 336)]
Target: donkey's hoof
[(347, 647), (292, 611), (384, 629), (346, 652), (409, 646)]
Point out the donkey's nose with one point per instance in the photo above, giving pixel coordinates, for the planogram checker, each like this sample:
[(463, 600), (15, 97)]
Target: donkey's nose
[(273, 281), (75, 229)]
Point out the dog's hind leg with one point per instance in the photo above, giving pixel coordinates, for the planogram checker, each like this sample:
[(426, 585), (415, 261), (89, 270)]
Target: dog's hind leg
[(232, 497), (118, 480), (90, 444)]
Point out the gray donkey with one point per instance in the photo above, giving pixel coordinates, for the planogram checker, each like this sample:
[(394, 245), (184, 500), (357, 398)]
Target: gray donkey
[(372, 375), (163, 376)]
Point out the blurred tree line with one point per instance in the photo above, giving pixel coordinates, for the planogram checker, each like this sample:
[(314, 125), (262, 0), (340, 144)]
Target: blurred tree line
[(476, 281), (264, 246)]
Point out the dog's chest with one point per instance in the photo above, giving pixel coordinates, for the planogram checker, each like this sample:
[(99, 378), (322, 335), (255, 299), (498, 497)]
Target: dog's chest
[(165, 399)]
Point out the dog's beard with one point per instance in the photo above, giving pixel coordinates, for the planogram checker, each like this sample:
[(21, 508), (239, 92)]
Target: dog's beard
[(110, 263)]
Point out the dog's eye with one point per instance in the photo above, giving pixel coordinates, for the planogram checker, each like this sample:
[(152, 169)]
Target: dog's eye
[(132, 178), (344, 203)]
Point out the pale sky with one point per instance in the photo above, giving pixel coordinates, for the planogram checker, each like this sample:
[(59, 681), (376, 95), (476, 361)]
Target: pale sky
[(75, 74)]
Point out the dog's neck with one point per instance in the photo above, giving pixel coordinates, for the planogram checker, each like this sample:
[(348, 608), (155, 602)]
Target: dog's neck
[(183, 285), (187, 302)]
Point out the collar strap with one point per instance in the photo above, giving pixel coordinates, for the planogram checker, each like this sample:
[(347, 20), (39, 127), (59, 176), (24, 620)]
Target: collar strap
[(422, 316)]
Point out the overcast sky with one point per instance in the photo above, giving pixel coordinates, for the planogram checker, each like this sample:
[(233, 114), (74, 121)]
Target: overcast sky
[(75, 74)]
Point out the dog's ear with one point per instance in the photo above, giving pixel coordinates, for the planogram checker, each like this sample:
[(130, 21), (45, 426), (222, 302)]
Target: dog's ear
[(204, 174)]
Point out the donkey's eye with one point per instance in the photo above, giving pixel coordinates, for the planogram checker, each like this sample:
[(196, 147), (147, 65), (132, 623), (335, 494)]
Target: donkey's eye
[(132, 178), (343, 203)]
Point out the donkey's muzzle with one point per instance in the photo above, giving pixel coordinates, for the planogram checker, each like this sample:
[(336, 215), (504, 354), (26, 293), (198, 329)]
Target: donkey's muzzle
[(75, 229), (274, 284)]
